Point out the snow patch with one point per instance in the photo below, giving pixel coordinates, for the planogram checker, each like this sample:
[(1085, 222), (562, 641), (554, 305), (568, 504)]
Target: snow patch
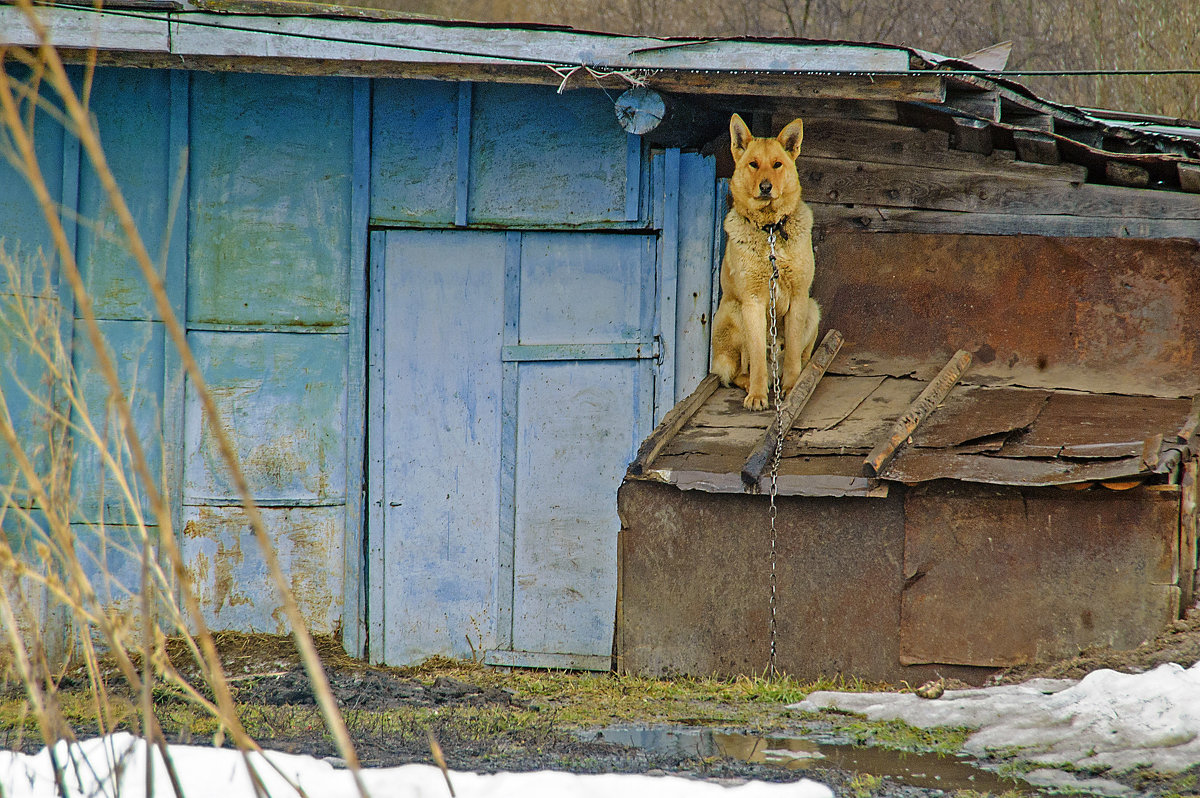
[(1105, 721), (115, 765)]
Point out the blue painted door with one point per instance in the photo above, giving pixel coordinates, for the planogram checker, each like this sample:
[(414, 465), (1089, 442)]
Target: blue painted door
[(512, 378)]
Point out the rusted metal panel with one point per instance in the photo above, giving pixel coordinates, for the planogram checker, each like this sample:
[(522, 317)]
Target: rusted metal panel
[(924, 465), (229, 574), (1084, 425), (1106, 315), (695, 584), (972, 412), (868, 423), (1002, 576)]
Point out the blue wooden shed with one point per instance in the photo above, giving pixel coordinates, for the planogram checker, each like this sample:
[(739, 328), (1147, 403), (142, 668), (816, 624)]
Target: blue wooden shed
[(440, 294)]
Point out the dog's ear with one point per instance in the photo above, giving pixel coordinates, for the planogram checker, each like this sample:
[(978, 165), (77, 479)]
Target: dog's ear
[(791, 136), (739, 137)]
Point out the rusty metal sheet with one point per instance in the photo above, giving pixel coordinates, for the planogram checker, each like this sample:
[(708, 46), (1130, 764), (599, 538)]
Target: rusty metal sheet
[(924, 465), (695, 589), (1004, 576), (835, 398), (1108, 315), (866, 424), (973, 412), (1097, 425)]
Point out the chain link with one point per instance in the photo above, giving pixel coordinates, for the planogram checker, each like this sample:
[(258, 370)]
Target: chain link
[(778, 393)]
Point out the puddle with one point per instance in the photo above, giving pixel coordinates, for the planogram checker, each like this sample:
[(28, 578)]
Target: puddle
[(919, 770)]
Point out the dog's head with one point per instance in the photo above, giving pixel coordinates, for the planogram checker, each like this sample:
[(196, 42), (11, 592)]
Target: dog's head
[(765, 185)]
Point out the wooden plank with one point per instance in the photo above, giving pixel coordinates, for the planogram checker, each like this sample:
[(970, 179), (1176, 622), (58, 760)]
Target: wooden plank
[(887, 185), (404, 40), (902, 145), (671, 424), (972, 135), (840, 110), (902, 88), (797, 398), (1189, 177), (1036, 147), (871, 218), (985, 105), (925, 404), (1187, 531)]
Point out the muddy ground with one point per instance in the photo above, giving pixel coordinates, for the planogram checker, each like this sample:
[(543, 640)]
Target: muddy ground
[(492, 719)]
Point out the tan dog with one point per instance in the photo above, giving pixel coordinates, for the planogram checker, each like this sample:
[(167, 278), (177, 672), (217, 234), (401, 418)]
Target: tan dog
[(766, 195)]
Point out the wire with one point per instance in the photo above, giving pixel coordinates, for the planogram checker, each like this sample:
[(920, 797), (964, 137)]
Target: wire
[(172, 16)]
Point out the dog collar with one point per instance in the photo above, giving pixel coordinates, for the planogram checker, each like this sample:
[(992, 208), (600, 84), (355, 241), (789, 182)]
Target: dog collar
[(778, 228)]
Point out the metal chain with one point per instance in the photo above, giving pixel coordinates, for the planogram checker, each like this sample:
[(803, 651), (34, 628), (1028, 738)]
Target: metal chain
[(776, 389)]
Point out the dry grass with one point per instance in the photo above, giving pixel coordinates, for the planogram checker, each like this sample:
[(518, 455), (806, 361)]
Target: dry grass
[(129, 639)]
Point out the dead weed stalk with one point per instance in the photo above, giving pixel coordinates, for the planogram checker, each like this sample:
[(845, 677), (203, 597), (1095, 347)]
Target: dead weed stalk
[(48, 560)]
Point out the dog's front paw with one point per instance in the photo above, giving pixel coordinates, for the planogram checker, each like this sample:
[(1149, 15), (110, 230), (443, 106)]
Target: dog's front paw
[(755, 401)]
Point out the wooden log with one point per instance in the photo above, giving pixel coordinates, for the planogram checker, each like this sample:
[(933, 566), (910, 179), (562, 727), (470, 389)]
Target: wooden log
[(801, 392), (917, 412), (1126, 174), (672, 422)]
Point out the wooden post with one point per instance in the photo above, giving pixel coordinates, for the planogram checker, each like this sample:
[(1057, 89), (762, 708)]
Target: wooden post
[(797, 398), (1187, 533), (672, 422), (924, 404)]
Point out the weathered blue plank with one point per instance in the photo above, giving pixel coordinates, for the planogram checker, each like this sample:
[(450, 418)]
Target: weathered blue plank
[(664, 312), (270, 189), (136, 348), (354, 611), (132, 109), (441, 426), (23, 230), (462, 184), (376, 515), (414, 151), (541, 158), (283, 398), (585, 288), (229, 572), (22, 379), (693, 328), (577, 434), (111, 558), (176, 287)]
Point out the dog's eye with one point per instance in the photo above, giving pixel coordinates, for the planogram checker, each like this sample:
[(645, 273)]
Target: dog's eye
[(778, 164), (754, 164)]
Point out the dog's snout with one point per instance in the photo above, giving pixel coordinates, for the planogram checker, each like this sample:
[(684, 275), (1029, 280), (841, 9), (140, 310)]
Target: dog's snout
[(764, 187)]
